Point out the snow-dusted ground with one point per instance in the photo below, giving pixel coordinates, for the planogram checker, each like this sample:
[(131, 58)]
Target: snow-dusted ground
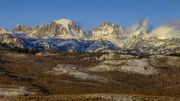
[(14, 91), (111, 62), (73, 71), (139, 66)]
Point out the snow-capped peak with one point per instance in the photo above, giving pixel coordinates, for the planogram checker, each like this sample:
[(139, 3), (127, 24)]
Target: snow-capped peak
[(61, 28), (109, 31), (64, 22)]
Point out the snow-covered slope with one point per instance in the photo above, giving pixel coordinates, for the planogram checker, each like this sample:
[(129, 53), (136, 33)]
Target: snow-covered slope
[(151, 45), (168, 30), (73, 45), (101, 46)]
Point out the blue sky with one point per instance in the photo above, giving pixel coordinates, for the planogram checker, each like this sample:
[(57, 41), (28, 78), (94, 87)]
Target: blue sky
[(88, 13)]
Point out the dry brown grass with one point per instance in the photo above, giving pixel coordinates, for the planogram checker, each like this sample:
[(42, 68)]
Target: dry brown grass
[(29, 72)]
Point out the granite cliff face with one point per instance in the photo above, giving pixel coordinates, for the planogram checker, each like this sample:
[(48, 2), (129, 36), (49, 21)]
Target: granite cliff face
[(108, 31), (63, 28), (22, 29)]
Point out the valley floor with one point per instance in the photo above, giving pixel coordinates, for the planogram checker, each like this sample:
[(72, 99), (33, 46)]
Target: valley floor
[(44, 75)]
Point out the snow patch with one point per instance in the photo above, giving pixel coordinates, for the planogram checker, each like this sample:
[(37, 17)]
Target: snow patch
[(139, 66)]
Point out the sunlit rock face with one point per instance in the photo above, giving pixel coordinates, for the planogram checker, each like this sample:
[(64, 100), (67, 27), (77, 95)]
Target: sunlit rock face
[(108, 31), (168, 30)]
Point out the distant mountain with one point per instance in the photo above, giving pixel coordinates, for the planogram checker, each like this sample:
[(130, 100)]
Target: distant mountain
[(65, 35)]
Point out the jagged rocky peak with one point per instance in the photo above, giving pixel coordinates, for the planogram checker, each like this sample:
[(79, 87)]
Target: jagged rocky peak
[(71, 26), (65, 22), (139, 27), (22, 29), (62, 28), (108, 28), (108, 31)]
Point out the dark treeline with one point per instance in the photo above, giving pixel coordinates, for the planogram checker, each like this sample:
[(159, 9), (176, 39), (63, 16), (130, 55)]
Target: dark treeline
[(17, 49)]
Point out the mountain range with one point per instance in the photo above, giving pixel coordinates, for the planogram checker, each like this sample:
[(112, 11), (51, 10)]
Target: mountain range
[(65, 35)]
